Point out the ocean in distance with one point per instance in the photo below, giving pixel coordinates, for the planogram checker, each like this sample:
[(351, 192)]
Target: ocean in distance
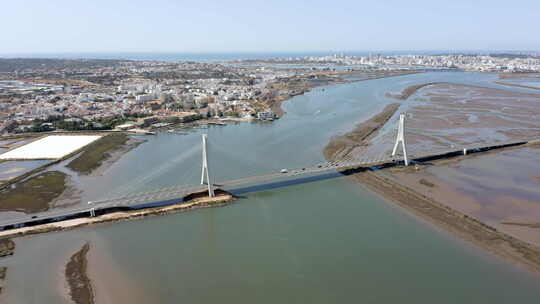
[(212, 56)]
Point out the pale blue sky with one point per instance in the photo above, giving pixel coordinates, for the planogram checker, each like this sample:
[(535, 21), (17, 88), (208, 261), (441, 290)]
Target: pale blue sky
[(38, 26)]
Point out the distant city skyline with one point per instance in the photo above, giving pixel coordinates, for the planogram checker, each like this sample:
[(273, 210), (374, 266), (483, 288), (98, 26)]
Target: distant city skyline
[(241, 26)]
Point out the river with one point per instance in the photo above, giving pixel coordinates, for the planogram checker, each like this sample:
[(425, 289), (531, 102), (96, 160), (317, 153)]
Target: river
[(321, 242)]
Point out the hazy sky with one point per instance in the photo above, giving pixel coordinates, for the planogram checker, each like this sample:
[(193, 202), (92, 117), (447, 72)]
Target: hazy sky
[(37, 26)]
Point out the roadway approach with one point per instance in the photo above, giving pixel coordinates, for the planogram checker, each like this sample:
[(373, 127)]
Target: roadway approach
[(332, 169)]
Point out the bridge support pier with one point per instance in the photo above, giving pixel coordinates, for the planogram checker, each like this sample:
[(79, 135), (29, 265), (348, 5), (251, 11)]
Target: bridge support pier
[(205, 175), (401, 139)]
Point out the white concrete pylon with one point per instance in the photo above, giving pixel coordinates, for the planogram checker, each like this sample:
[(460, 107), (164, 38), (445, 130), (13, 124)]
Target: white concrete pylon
[(205, 174), (401, 139)]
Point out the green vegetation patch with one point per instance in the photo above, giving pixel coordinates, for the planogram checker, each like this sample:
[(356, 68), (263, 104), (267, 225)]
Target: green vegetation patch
[(7, 247), (34, 194), (98, 151)]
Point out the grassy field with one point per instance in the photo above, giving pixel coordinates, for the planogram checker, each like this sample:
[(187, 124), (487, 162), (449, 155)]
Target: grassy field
[(34, 194), (98, 151)]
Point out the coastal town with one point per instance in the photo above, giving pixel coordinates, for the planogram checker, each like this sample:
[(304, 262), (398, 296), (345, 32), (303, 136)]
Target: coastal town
[(71, 157), (46, 94), (372, 152), (507, 63), (38, 95)]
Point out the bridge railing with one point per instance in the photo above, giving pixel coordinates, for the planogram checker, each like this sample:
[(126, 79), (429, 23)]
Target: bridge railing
[(178, 191)]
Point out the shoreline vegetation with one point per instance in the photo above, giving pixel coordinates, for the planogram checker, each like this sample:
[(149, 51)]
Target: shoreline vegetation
[(36, 190), (460, 224), (25, 176), (7, 248), (343, 145), (98, 152), (80, 286), (35, 193)]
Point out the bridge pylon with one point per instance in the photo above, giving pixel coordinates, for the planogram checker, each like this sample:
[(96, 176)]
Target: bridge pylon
[(401, 139), (205, 175)]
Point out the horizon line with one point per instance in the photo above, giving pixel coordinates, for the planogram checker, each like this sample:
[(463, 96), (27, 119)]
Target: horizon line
[(271, 52)]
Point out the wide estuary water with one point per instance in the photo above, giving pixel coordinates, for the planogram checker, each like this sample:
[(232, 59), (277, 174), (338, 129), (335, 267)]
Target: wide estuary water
[(329, 241)]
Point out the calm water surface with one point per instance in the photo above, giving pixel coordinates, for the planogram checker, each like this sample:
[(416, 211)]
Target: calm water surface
[(321, 242)]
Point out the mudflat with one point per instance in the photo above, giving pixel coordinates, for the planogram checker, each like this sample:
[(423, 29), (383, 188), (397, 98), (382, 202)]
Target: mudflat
[(442, 115), (80, 286), (460, 224), (490, 199), (475, 186)]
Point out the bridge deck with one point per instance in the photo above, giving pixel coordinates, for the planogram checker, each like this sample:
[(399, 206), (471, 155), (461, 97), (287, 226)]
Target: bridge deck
[(176, 193)]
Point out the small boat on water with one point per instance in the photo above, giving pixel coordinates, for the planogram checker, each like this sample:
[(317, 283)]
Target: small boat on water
[(217, 123), (142, 132)]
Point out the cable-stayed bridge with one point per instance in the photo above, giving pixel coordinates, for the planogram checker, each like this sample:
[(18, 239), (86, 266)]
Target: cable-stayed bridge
[(175, 194)]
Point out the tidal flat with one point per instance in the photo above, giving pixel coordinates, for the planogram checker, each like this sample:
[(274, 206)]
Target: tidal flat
[(321, 242), (491, 198), (501, 189)]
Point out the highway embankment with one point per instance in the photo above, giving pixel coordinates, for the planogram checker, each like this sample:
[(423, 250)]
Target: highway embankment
[(193, 201)]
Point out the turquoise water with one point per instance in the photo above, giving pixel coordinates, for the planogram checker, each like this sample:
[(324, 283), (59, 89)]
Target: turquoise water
[(321, 242)]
